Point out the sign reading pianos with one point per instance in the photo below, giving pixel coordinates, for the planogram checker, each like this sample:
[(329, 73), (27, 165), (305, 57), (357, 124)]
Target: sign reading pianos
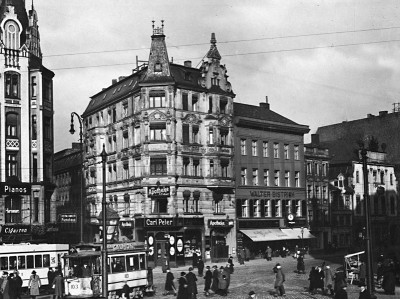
[(15, 188)]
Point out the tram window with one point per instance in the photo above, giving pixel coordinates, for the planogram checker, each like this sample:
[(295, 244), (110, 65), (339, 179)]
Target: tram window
[(118, 264), (142, 262), (13, 262), (38, 261), (4, 263), (46, 260), (21, 262), (130, 263), (29, 262)]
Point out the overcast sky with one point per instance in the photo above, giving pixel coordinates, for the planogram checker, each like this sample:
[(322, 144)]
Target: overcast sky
[(319, 62)]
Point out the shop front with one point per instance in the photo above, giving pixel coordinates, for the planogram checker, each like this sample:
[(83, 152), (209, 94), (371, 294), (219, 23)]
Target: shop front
[(219, 232)]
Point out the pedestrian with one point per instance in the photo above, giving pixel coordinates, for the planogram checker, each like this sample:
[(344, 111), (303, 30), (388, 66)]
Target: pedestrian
[(12, 287), (126, 290), (362, 275), (6, 286), (215, 275), (34, 285), (341, 293), (312, 277), (227, 274), (222, 286), (58, 284), (283, 251), (252, 295), (169, 287), (339, 280), (230, 262), (182, 289), (300, 264), (18, 284), (3, 284), (192, 284), (319, 279), (207, 281), (195, 259), (328, 280), (389, 277), (364, 293), (50, 277), (279, 280), (268, 253), (200, 266)]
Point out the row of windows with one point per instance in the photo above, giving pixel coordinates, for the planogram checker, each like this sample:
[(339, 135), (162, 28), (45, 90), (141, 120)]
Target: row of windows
[(264, 151), (317, 168), (377, 176), (249, 208), (124, 263), (290, 179), (379, 205), (317, 192), (25, 262)]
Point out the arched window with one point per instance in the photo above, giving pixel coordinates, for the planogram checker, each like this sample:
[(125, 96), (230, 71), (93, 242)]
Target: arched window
[(12, 124), (11, 35)]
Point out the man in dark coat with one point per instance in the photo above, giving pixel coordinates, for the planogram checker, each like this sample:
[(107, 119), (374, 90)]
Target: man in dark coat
[(215, 275), (169, 283), (50, 277), (191, 282), (389, 277), (18, 284), (319, 282), (279, 280), (341, 293), (339, 279), (12, 286), (268, 253), (200, 266), (300, 264), (230, 262), (207, 281), (183, 287)]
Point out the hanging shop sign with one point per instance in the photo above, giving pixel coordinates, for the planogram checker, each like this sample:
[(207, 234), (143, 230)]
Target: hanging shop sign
[(15, 189), (220, 222), (158, 191)]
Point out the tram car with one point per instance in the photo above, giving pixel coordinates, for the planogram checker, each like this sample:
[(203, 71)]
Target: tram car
[(26, 257), (127, 264)]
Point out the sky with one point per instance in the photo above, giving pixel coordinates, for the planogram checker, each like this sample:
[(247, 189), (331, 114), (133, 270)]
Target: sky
[(319, 62)]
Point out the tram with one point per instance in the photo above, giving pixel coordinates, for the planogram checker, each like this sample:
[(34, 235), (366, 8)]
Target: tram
[(26, 257), (127, 264)]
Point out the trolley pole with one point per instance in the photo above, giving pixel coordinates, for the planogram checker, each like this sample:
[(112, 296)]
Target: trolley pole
[(104, 277), (370, 273)]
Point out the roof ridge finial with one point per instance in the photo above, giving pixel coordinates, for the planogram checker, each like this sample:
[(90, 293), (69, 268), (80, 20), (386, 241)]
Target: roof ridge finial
[(158, 30)]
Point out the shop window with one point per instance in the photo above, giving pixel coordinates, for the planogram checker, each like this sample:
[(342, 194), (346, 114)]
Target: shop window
[(12, 84), (12, 209), (158, 166)]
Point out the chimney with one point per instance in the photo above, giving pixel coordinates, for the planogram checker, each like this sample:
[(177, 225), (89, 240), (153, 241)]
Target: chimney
[(315, 139), (369, 115), (120, 78), (187, 63), (383, 113), (114, 81), (266, 104)]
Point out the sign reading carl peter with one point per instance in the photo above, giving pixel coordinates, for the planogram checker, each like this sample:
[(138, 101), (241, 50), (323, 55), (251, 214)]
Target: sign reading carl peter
[(15, 189)]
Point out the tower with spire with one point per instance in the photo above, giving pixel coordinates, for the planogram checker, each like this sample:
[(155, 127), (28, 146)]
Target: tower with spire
[(26, 124)]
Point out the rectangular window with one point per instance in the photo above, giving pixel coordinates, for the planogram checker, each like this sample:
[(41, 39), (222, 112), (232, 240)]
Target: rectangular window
[(212, 168), (243, 147), (186, 163), (276, 178), (243, 176), (267, 208), (125, 173), (157, 100), (222, 106), (125, 139), (124, 110), (11, 164), (159, 205), (185, 101), (196, 167), (34, 87), (358, 204), (255, 177), (158, 166), (309, 168), (210, 105), (297, 179), (382, 177), (254, 148), (34, 127), (224, 136), (276, 150), (287, 179), (296, 152), (224, 168), (266, 177), (245, 209), (211, 136), (324, 169), (324, 192), (185, 134), (286, 151), (195, 103), (11, 85), (158, 132), (195, 134), (265, 149), (391, 179)]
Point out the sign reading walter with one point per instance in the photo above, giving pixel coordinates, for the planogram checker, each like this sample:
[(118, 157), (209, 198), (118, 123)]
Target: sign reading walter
[(15, 189), (158, 191)]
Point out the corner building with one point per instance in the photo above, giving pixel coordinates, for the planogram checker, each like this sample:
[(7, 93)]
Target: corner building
[(167, 131), (26, 129), (271, 204)]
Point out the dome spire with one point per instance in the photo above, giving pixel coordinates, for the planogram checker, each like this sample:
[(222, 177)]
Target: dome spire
[(213, 52)]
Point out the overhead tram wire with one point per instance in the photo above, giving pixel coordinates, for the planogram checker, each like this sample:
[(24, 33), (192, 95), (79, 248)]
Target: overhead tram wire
[(248, 53), (233, 41)]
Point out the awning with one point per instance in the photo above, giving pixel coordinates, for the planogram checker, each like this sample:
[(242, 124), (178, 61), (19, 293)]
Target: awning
[(266, 234), (295, 233)]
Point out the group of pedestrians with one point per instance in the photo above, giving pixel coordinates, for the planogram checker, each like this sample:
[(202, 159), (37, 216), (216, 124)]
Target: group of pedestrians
[(10, 285)]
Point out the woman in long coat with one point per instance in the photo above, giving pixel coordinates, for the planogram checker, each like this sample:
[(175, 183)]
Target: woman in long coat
[(182, 290), (34, 285), (215, 276), (389, 277), (58, 284), (169, 283), (328, 280)]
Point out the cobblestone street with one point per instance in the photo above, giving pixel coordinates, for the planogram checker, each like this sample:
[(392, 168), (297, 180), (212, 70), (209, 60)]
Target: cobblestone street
[(257, 275)]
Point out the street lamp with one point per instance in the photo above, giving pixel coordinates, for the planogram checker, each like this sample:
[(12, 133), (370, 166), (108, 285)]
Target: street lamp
[(104, 277), (72, 131), (302, 239)]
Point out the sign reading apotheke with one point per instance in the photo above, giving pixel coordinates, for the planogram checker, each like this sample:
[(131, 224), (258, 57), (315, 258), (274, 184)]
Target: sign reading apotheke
[(15, 189), (158, 191), (220, 222)]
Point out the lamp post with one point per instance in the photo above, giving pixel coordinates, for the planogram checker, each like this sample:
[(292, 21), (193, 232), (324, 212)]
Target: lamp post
[(370, 275), (72, 131), (302, 239), (104, 277)]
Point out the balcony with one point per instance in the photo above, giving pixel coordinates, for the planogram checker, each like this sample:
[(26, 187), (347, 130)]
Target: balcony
[(12, 144)]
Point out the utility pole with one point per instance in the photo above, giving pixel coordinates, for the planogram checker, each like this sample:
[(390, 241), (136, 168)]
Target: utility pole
[(104, 277)]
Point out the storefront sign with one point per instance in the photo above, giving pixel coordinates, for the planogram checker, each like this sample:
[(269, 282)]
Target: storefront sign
[(272, 194), (159, 222), (158, 191), (68, 218), (220, 222), (15, 189), (15, 230)]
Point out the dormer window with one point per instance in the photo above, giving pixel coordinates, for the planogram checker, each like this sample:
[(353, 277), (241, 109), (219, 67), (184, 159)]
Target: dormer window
[(11, 35), (188, 76), (157, 67)]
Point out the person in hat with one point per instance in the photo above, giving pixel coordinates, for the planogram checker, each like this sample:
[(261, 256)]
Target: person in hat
[(18, 284), (252, 295), (223, 286), (200, 266), (207, 281), (328, 280), (50, 277), (3, 284), (58, 283), (215, 275), (191, 282), (34, 285), (363, 292), (279, 280), (182, 289), (169, 283)]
